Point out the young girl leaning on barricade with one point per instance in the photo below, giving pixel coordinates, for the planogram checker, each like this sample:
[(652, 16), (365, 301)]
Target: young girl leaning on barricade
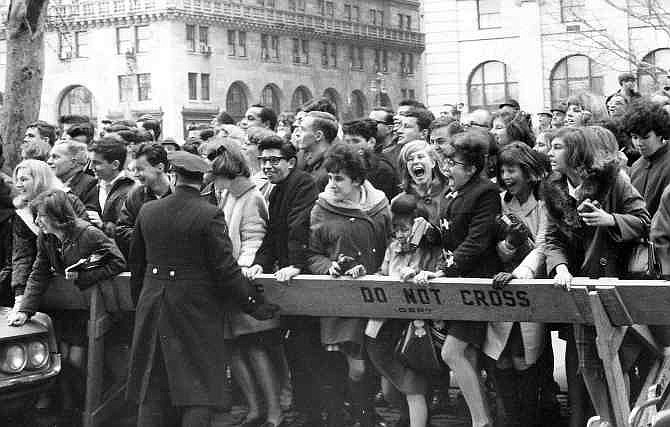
[(71, 247), (515, 347), (407, 254)]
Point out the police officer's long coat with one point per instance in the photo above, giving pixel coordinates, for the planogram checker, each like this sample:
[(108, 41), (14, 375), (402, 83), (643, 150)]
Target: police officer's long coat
[(181, 258)]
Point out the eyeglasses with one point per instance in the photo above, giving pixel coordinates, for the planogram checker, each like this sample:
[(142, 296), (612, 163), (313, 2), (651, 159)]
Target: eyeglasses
[(274, 160), (452, 163), (475, 124)]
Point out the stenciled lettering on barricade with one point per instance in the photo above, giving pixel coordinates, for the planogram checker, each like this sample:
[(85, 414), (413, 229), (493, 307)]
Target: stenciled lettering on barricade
[(494, 298), (374, 295)]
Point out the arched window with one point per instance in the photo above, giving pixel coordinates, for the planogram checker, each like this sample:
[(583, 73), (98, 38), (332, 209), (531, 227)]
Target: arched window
[(270, 97), (300, 96), (575, 74), (77, 100), (653, 71), (236, 101), (382, 100), (334, 97), (358, 105), (490, 84)]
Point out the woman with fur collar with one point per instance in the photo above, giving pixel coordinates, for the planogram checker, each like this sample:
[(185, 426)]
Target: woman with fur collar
[(595, 217)]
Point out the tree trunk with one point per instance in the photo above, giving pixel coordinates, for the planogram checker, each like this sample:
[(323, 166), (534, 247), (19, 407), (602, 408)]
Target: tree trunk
[(26, 25)]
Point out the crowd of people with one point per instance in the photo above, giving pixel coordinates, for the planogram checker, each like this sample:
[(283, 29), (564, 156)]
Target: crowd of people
[(575, 191)]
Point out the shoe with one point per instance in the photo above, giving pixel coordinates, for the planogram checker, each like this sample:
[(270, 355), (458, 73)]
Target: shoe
[(253, 422)]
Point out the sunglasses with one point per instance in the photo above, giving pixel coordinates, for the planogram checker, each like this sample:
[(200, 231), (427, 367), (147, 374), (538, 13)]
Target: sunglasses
[(274, 160)]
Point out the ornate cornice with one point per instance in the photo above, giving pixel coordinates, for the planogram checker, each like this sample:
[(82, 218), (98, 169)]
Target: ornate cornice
[(236, 16)]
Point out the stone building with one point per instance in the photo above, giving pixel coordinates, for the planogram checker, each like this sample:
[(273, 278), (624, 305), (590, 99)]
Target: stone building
[(480, 52), (183, 60)]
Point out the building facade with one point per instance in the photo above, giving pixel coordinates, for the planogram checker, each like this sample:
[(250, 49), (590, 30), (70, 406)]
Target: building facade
[(184, 60), (479, 52)]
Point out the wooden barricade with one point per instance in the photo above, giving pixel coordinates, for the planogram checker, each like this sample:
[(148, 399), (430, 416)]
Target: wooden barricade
[(614, 307)]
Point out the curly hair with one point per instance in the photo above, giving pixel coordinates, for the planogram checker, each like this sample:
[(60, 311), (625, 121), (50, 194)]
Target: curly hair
[(590, 149), (55, 205), (644, 116), (342, 158), (473, 148)]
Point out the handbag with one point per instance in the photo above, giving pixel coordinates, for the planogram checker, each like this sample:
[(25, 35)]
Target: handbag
[(417, 350), (643, 263)]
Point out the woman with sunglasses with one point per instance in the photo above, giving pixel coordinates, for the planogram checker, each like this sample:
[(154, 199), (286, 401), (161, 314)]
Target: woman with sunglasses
[(467, 226), (254, 341)]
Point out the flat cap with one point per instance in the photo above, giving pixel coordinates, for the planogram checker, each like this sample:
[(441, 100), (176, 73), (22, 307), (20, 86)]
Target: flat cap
[(510, 102), (561, 107), (188, 162)]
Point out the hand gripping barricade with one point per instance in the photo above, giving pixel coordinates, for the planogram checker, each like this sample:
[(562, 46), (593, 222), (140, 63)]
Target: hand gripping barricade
[(613, 306)]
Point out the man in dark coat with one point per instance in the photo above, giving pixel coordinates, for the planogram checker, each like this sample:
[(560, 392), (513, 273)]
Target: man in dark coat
[(108, 157), (181, 259), (284, 253), (68, 161), (151, 171)]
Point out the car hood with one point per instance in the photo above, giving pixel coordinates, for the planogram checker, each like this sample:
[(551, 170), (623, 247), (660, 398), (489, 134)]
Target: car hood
[(9, 332)]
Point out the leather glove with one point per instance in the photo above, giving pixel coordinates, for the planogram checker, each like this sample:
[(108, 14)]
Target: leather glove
[(517, 234), (502, 279)]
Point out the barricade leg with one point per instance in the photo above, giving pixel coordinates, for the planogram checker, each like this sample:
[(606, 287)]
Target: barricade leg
[(99, 323), (608, 341)]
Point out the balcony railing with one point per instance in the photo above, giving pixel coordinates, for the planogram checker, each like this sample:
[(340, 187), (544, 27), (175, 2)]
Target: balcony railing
[(224, 11)]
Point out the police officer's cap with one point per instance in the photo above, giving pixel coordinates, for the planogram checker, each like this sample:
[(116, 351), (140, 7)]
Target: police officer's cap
[(185, 161)]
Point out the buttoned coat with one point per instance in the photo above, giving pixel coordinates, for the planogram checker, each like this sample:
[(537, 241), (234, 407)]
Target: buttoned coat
[(181, 260)]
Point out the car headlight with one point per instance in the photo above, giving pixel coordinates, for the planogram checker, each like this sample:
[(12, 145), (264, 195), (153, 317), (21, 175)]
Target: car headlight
[(38, 355), (13, 359)]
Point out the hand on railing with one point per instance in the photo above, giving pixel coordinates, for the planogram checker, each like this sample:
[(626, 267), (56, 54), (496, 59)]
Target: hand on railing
[(287, 273), (563, 278), (251, 272), (17, 318)]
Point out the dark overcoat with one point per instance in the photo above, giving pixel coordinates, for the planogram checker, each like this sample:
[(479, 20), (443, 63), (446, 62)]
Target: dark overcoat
[(181, 259)]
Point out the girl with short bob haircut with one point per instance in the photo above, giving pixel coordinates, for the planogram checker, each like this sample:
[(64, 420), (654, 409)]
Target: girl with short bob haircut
[(595, 218)]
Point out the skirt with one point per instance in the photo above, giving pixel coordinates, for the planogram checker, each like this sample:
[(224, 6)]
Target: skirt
[(381, 351)]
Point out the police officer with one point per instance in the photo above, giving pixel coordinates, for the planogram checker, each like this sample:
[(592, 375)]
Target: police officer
[(181, 260)]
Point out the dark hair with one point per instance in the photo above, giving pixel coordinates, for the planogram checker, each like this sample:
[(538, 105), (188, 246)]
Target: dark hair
[(154, 152), (406, 206), (589, 149), (224, 118), (267, 115), (342, 158), (71, 119), (325, 125), (206, 134), (45, 130), (452, 125), (473, 148), (534, 165), (55, 205), (643, 116), (85, 129), (423, 117), (190, 147), (275, 142), (153, 126), (411, 103), (125, 122), (321, 104), (230, 162), (130, 136), (110, 149), (113, 128), (518, 130), (144, 136), (366, 128)]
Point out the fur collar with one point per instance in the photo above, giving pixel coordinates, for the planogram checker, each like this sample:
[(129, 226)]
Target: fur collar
[(596, 186)]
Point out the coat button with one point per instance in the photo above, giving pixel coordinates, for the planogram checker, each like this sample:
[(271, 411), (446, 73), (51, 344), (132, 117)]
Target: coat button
[(603, 261), (155, 270), (171, 273)]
